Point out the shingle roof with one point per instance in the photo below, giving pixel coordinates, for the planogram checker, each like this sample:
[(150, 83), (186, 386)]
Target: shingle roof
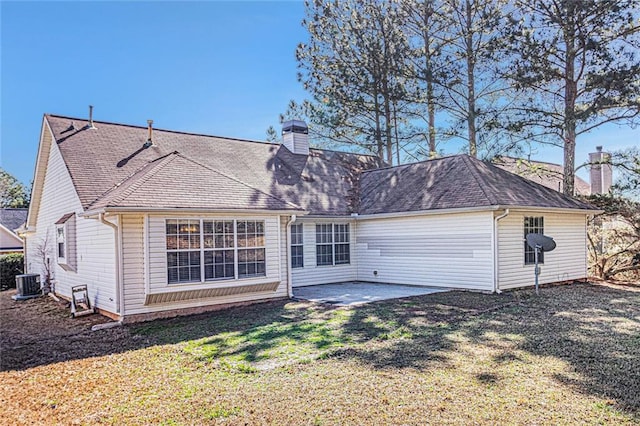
[(547, 174), (111, 167), (100, 159), (12, 219), (64, 218), (173, 180), (453, 182)]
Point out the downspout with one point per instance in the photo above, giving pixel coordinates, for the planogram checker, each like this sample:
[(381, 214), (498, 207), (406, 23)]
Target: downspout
[(496, 258), (288, 251), (119, 289)]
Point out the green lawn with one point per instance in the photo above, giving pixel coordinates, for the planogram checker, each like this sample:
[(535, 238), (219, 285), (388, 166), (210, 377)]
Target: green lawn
[(570, 355)]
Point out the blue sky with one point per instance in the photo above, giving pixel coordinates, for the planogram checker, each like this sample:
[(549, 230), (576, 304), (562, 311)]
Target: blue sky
[(221, 68)]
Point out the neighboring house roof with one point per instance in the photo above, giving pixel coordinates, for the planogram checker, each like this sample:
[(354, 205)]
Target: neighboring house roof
[(547, 174), (103, 159), (12, 219), (454, 182)]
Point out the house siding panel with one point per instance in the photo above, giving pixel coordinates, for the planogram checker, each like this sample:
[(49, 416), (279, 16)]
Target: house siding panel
[(567, 262), (311, 274), (453, 250), (9, 240), (92, 254), (134, 257)]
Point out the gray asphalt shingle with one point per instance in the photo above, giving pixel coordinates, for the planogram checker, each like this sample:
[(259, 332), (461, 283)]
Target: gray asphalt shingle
[(453, 182)]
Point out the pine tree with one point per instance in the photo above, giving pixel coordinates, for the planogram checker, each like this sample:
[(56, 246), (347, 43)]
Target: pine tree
[(577, 62)]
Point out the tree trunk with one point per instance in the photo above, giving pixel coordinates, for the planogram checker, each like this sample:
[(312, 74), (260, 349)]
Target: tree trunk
[(388, 122), (378, 136), (432, 119), (428, 66), (570, 95), (471, 100), (395, 131)]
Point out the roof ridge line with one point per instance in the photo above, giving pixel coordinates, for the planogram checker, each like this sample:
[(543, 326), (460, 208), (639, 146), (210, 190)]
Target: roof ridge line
[(397, 166), (237, 180), (112, 123), (474, 173)]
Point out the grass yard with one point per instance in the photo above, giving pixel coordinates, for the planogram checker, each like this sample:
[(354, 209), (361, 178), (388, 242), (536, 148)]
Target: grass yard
[(569, 356)]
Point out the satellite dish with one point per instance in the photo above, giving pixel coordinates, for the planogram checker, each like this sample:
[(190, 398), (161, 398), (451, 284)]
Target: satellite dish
[(542, 241)]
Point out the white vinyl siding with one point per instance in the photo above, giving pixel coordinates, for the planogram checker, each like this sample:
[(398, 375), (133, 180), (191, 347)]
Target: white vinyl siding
[(566, 262), (91, 249), (133, 259), (137, 287), (9, 241), (311, 274), (448, 250)]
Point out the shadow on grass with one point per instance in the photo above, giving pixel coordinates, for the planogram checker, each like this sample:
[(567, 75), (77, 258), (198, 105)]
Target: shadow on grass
[(594, 329)]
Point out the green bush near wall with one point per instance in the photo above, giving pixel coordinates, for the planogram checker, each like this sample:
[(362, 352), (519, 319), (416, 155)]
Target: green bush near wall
[(10, 266)]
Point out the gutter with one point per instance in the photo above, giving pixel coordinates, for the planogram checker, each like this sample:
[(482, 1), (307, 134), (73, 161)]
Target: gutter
[(119, 287), (496, 258), (179, 210), (288, 230)]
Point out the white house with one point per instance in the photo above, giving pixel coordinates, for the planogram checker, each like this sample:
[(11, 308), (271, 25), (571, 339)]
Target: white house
[(10, 220), (158, 222)]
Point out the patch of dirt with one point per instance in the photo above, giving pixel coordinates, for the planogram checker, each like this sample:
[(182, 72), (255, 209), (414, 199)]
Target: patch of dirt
[(41, 330)]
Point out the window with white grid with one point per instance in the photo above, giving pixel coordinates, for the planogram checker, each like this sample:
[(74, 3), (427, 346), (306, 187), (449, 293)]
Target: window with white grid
[(332, 244), (532, 225), (297, 246), (205, 250)]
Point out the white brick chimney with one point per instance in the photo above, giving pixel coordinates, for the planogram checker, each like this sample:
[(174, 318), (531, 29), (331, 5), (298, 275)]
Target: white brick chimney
[(601, 174), (295, 136)]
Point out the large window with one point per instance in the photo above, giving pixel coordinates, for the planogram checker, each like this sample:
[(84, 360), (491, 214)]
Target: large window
[(532, 225), (297, 246), (332, 244), (205, 250)]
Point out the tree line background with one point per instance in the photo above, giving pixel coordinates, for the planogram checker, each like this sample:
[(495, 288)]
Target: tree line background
[(402, 78)]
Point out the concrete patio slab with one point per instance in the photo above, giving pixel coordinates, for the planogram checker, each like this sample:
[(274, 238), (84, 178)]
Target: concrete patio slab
[(358, 292)]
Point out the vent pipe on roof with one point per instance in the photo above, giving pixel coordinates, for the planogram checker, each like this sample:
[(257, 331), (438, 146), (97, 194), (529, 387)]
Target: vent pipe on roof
[(91, 126), (149, 141)]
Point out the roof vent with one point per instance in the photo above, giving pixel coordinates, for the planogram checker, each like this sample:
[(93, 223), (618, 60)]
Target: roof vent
[(295, 136), (91, 126), (149, 141)]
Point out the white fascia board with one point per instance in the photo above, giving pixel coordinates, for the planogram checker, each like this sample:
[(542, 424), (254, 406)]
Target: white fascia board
[(428, 212), (551, 209), (473, 210), (38, 183), (90, 213)]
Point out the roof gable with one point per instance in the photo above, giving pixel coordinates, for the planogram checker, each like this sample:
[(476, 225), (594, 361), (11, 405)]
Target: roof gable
[(175, 181)]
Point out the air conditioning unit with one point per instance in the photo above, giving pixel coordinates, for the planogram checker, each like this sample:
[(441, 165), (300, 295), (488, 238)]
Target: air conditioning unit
[(28, 285)]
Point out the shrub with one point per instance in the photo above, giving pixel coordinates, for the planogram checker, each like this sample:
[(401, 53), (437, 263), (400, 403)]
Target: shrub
[(10, 266)]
